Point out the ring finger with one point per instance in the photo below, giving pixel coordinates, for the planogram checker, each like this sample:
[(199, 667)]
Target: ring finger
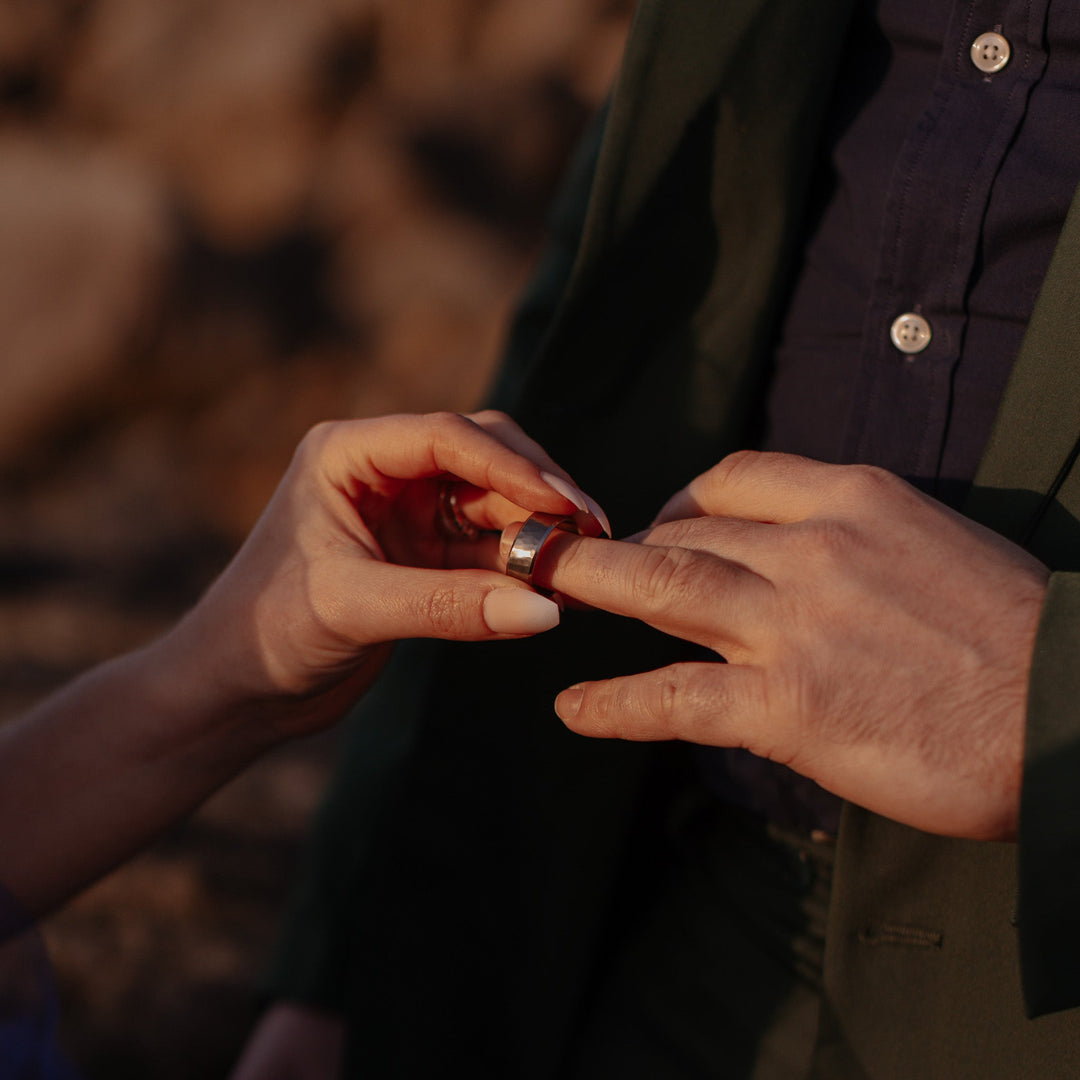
[(688, 593)]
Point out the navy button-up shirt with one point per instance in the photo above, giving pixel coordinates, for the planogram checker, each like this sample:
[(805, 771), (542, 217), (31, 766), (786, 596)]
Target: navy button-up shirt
[(940, 194)]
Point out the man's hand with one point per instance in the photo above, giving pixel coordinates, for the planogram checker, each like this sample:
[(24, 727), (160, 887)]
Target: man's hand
[(876, 641)]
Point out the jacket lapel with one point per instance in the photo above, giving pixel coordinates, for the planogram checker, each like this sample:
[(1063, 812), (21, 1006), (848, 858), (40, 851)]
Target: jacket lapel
[(688, 237), (1025, 488), (675, 58), (679, 55)]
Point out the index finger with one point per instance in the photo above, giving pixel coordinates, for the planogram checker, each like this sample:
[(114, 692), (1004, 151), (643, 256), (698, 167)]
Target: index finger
[(685, 592), (590, 517), (384, 452)]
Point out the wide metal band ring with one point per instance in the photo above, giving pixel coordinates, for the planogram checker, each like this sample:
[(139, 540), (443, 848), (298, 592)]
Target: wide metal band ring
[(530, 541)]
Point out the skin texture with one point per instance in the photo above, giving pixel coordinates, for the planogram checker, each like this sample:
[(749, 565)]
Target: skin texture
[(876, 641), (348, 552), (345, 559)]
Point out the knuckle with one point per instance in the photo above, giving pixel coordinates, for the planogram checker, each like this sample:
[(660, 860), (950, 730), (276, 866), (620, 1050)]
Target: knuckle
[(670, 688), (314, 442), (446, 419), (665, 576), (661, 703), (646, 707), (733, 467), (447, 612), (447, 432), (862, 484), (492, 416)]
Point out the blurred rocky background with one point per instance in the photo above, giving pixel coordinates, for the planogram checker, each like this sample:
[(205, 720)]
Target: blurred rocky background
[(222, 221)]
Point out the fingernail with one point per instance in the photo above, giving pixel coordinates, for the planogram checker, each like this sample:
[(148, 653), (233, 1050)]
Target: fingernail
[(585, 503), (597, 512), (566, 490), (519, 611), (568, 703)]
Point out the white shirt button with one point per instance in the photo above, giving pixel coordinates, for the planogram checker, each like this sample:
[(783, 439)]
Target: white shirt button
[(910, 333), (990, 52)]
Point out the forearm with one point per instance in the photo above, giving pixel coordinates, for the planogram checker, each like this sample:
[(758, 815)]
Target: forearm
[(99, 768), (347, 558)]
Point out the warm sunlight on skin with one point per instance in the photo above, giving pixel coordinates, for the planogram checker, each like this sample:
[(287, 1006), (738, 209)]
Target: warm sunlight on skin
[(349, 555), (877, 642)]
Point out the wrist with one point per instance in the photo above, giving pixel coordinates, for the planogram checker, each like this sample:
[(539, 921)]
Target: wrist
[(213, 668), (204, 690)]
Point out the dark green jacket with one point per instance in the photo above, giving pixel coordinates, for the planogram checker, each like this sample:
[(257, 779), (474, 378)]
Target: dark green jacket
[(466, 863)]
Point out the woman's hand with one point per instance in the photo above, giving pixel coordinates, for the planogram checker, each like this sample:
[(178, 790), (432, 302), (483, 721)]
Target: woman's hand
[(876, 641), (349, 556)]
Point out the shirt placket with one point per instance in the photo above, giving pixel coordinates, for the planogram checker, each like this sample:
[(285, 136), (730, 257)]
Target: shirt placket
[(916, 318)]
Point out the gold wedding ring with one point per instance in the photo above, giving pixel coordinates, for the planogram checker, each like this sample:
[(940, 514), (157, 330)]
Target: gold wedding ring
[(530, 541)]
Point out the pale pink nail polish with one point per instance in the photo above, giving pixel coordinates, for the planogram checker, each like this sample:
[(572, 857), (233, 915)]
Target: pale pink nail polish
[(519, 611), (566, 490), (597, 512)]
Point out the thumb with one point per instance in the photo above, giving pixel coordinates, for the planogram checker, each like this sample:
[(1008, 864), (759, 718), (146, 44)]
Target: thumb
[(395, 602)]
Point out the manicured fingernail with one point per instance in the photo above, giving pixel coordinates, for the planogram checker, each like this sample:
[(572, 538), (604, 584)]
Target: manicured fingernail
[(519, 611), (597, 512), (566, 490), (585, 503), (568, 703)]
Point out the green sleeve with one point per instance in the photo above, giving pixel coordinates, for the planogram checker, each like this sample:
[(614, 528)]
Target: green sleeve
[(1049, 887)]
